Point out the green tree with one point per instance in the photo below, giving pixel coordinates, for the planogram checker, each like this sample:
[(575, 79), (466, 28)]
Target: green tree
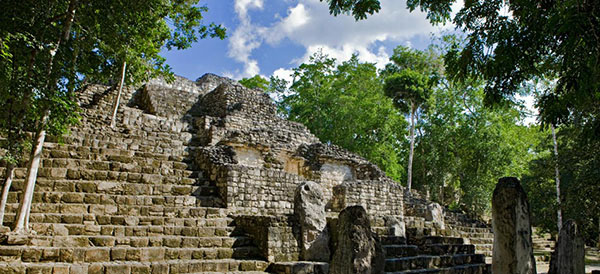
[(255, 82), (409, 90), (511, 42), (412, 76), (50, 49), (465, 147), (345, 105)]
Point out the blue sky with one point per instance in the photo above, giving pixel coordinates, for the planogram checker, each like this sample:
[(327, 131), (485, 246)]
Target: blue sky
[(270, 37)]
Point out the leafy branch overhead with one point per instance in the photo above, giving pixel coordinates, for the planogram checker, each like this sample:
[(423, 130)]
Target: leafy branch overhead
[(509, 43)]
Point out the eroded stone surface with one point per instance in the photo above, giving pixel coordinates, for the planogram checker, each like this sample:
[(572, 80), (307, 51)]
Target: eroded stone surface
[(357, 249), (513, 248), (435, 214), (569, 253), (309, 210), (396, 226)]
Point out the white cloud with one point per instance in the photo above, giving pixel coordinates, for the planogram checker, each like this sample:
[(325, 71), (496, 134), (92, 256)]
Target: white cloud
[(309, 24), (285, 74), (245, 39)]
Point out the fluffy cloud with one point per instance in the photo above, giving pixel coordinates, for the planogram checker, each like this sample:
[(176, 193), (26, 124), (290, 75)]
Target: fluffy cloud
[(245, 38), (309, 24)]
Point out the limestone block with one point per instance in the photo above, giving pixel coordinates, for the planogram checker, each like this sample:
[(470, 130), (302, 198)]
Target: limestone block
[(435, 214), (309, 210), (513, 248), (358, 250), (569, 253), (396, 226)]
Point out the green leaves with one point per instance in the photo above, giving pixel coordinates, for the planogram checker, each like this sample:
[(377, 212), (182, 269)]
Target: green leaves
[(360, 9), (41, 68), (344, 105), (255, 82), (406, 88)]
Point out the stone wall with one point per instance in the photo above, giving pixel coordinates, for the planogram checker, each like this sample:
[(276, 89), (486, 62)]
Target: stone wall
[(379, 198), (275, 236)]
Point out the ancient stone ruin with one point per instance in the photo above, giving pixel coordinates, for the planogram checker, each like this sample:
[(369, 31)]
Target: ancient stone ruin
[(569, 256), (513, 247), (204, 176)]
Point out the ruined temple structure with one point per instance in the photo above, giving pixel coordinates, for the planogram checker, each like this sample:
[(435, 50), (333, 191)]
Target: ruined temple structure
[(201, 176)]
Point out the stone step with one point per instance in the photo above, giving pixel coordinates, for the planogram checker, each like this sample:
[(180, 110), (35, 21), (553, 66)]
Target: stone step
[(475, 235), (299, 267), (189, 220), (176, 208), (392, 240), (45, 229), (470, 229), (484, 247), (428, 262), (136, 140), (78, 151), (460, 269), (428, 240), (149, 177), (93, 192), (171, 266), (446, 249), (481, 240), (397, 251), (111, 163), (139, 241), (119, 253), (543, 244)]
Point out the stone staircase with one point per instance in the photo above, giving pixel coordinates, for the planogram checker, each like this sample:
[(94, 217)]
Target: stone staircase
[(543, 246), (432, 254), (125, 200)]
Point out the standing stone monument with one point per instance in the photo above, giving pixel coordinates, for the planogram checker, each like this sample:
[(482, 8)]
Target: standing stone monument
[(309, 209), (435, 214), (513, 248), (396, 226), (358, 251), (569, 254)]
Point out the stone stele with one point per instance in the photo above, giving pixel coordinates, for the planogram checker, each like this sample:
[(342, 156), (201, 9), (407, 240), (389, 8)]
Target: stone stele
[(435, 214), (569, 254), (358, 251), (513, 249), (309, 209), (396, 227)]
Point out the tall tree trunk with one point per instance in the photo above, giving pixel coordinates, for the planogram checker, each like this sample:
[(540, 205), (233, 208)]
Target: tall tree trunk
[(557, 179), (118, 98), (22, 220), (10, 173), (412, 145)]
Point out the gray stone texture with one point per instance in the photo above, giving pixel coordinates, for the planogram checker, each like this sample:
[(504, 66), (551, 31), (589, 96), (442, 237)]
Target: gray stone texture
[(395, 226), (569, 253), (357, 248), (513, 248), (309, 211), (435, 214)]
